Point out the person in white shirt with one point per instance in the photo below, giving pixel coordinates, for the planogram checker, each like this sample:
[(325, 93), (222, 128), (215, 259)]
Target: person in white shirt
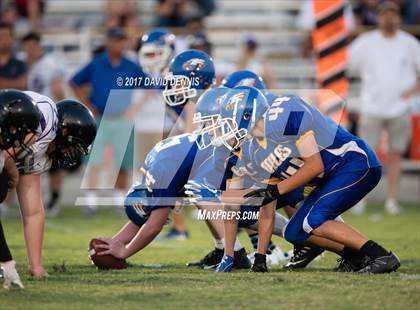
[(46, 71), (388, 61)]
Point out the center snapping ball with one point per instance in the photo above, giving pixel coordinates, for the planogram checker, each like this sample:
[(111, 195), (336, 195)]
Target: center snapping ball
[(104, 262)]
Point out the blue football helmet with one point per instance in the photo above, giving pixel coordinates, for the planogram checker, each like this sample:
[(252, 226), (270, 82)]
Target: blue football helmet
[(244, 77), (240, 110), (189, 71), (134, 205), (156, 50), (207, 116)]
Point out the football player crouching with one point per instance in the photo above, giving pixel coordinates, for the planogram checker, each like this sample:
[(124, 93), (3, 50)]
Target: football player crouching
[(65, 131), (166, 170), (196, 187), (19, 122), (295, 143)]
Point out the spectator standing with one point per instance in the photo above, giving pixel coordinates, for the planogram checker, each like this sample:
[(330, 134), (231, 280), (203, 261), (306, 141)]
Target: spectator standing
[(108, 94), (388, 60), (12, 70), (46, 72)]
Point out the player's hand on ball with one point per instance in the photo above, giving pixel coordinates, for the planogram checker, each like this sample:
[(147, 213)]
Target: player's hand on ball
[(107, 260), (112, 247)]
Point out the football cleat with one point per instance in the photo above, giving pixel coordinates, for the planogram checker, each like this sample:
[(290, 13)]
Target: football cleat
[(383, 264), (226, 264), (241, 260), (302, 256), (347, 266), (210, 261), (10, 275)]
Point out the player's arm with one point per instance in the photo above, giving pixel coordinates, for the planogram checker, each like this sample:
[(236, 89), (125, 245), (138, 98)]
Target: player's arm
[(11, 170), (126, 234), (29, 195), (80, 83), (313, 165), (143, 237), (82, 94)]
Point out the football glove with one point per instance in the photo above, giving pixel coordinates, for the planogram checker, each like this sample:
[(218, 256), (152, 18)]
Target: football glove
[(268, 195), (11, 276), (200, 192), (260, 264)]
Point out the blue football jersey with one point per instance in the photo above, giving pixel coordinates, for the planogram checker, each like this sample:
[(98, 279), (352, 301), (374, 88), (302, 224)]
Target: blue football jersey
[(167, 168), (273, 162), (290, 119), (232, 165)]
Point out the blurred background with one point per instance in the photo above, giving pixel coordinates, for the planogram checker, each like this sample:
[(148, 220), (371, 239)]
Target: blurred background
[(275, 38)]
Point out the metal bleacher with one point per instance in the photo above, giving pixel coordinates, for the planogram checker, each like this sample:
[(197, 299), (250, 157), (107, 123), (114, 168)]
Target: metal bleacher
[(271, 21)]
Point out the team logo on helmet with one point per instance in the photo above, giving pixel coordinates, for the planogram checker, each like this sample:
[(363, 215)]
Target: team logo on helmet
[(193, 64), (235, 100), (247, 82)]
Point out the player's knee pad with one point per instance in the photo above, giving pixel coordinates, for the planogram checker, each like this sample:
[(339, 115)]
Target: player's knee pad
[(134, 208), (280, 223)]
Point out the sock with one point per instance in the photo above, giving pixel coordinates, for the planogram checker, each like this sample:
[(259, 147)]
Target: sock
[(237, 245), (53, 200), (373, 250), (218, 244), (353, 256), (271, 246), (254, 240), (5, 254)]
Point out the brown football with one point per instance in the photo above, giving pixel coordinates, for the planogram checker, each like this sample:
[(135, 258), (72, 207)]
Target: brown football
[(104, 262)]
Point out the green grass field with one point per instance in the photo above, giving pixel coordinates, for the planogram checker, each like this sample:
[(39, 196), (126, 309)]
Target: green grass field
[(78, 285)]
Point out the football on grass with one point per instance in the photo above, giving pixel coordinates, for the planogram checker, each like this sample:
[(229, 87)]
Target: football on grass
[(104, 262)]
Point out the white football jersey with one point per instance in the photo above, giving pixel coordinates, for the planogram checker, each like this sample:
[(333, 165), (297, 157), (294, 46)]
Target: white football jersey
[(35, 160)]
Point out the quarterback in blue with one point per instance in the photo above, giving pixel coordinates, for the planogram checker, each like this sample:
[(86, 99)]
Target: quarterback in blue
[(347, 168)]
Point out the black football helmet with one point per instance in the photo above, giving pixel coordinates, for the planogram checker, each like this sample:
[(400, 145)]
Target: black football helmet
[(19, 116), (75, 133)]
